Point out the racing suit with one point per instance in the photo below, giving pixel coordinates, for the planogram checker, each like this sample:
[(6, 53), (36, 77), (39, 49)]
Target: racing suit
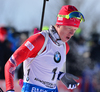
[(40, 71)]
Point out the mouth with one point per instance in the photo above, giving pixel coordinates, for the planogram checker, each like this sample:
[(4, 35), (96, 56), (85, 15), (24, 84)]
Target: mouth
[(67, 38)]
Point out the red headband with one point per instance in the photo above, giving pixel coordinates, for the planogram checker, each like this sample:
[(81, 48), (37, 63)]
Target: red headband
[(65, 10)]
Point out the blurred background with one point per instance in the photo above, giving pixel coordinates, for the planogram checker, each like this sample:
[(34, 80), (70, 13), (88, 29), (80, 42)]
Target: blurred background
[(19, 18)]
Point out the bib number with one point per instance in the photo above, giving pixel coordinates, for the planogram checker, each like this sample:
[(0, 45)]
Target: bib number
[(54, 73)]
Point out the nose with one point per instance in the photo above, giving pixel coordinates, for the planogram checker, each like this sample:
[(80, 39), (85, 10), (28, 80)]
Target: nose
[(71, 32)]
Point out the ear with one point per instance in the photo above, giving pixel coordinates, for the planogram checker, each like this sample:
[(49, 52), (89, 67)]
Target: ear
[(58, 26)]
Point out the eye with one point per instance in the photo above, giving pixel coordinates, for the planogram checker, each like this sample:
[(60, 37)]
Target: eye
[(75, 29), (69, 28)]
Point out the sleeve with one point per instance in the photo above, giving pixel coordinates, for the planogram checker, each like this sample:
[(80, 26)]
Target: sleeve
[(67, 48), (29, 48)]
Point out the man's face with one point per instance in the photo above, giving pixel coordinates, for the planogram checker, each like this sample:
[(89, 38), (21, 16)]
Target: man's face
[(66, 32)]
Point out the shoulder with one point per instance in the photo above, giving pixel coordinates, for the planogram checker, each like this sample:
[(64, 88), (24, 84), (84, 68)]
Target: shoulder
[(67, 47), (36, 42), (39, 37)]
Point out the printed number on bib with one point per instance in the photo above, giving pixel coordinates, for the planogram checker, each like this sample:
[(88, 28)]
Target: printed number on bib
[(54, 73)]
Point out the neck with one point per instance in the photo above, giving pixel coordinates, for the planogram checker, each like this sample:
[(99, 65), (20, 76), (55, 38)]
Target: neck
[(54, 36)]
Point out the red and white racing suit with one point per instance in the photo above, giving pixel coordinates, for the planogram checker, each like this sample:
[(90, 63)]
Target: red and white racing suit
[(43, 69)]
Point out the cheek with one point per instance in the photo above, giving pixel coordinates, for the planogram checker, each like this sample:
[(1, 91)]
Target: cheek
[(62, 34)]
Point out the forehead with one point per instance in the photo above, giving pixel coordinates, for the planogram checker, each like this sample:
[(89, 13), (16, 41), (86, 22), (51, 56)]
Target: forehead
[(71, 27)]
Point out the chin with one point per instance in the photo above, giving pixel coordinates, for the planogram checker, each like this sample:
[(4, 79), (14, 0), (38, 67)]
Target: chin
[(67, 40)]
